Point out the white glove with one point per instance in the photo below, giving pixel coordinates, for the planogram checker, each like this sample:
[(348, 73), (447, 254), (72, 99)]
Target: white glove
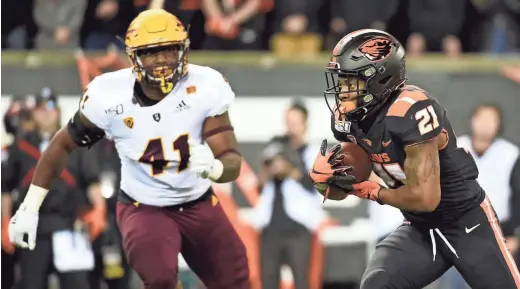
[(25, 221), (203, 162)]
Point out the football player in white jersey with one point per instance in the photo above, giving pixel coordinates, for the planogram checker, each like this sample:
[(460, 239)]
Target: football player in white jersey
[(171, 128)]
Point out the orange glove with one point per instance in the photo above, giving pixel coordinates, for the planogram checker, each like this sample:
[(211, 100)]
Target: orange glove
[(367, 190), (7, 246), (326, 164), (96, 221)]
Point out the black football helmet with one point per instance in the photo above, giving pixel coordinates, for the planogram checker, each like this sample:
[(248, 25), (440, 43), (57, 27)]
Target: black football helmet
[(373, 56)]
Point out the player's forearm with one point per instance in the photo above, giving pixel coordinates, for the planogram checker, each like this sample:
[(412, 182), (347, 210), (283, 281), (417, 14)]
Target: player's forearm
[(49, 167), (231, 163), (211, 9), (408, 199), (422, 191), (246, 11)]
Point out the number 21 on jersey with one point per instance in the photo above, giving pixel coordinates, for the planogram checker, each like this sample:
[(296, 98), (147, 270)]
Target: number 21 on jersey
[(154, 154), (427, 119)]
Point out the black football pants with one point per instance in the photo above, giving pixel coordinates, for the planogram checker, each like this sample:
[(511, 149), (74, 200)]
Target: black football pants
[(36, 266), (413, 257)]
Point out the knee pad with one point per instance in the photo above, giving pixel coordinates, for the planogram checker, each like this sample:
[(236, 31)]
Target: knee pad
[(375, 279)]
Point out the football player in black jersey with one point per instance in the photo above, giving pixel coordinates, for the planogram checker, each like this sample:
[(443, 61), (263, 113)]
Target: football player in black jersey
[(449, 221)]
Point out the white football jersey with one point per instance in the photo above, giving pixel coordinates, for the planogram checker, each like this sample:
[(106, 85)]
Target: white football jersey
[(159, 133)]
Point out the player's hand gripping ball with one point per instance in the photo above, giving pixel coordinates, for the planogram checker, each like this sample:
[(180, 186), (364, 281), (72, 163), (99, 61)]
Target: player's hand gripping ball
[(334, 172)]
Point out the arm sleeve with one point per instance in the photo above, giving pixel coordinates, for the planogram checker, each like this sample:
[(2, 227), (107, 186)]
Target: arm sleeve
[(223, 95), (91, 106), (423, 120), (10, 169)]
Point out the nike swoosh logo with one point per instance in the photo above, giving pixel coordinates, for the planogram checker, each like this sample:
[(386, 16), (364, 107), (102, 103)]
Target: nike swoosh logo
[(471, 229), (386, 143)]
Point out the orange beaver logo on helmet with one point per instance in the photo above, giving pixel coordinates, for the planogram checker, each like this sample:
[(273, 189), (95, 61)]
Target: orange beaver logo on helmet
[(376, 49)]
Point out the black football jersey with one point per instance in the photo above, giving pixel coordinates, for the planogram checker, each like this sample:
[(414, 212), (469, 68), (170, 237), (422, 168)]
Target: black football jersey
[(410, 118)]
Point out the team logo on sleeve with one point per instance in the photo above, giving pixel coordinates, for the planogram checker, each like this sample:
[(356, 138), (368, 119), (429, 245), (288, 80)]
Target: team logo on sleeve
[(191, 89), (129, 122)]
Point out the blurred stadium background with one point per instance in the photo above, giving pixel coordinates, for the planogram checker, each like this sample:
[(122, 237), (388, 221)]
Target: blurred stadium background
[(464, 52)]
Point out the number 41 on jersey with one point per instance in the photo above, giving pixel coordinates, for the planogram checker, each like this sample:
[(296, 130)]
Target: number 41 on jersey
[(154, 154)]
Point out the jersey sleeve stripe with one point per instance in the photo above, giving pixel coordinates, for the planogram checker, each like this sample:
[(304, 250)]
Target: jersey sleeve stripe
[(404, 101), (493, 222), (399, 108), (414, 95), (217, 131)]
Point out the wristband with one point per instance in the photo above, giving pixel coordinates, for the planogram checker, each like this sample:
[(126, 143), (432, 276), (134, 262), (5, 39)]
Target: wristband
[(217, 169), (34, 198)]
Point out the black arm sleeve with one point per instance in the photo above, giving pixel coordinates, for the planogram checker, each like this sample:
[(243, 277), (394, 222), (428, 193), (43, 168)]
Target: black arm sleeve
[(81, 134)]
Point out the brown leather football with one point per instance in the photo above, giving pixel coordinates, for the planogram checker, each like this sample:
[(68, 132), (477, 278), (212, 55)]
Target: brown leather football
[(358, 158)]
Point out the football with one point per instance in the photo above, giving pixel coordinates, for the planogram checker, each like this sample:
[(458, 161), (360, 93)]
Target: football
[(356, 157)]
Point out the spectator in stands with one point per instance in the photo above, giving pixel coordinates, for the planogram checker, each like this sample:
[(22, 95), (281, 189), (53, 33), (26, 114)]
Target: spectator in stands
[(289, 209), (434, 25), (352, 15), (17, 24), (498, 163), (232, 25), (296, 28), (58, 23), (17, 123), (183, 9), (58, 213), (498, 30), (104, 21)]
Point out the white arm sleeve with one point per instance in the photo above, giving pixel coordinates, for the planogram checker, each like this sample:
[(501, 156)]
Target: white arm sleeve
[(91, 106), (223, 96)]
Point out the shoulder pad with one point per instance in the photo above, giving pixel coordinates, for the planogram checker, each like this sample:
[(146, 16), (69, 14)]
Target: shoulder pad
[(415, 117)]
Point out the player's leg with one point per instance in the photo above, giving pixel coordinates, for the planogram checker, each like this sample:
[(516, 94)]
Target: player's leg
[(404, 259), (484, 260), (211, 246), (151, 241)]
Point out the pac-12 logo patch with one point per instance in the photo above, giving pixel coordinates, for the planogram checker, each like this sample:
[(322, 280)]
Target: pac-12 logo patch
[(129, 122), (157, 117)]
